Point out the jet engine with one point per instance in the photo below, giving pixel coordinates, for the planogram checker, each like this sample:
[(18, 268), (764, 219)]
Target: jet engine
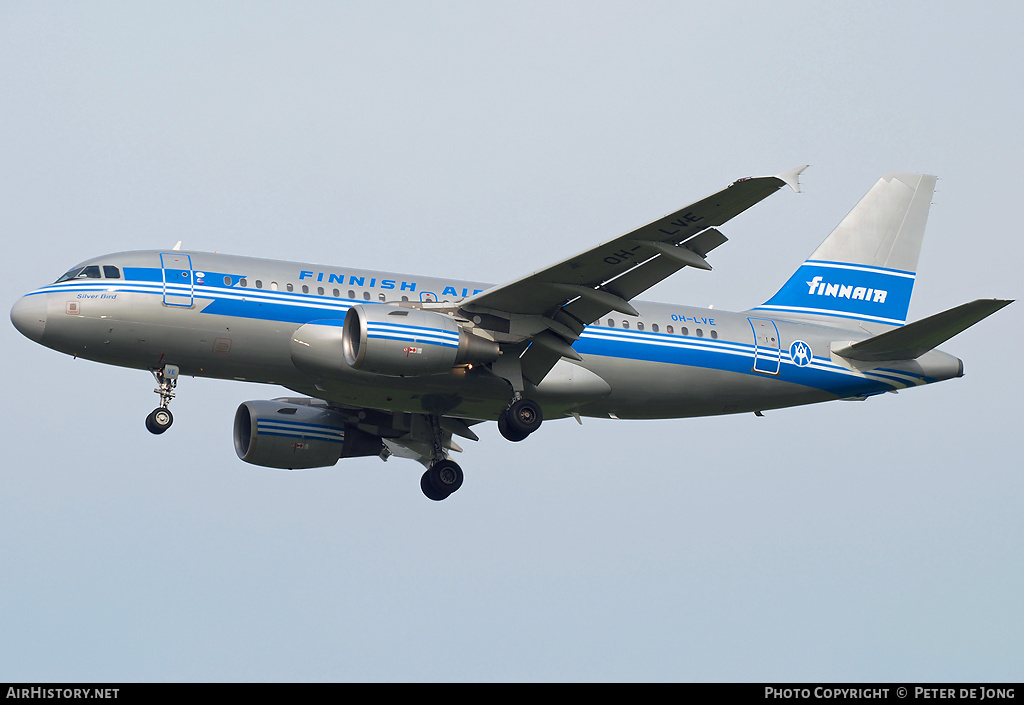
[(393, 341), (288, 436)]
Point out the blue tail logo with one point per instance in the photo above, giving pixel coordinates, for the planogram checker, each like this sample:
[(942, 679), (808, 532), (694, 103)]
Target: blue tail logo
[(846, 290)]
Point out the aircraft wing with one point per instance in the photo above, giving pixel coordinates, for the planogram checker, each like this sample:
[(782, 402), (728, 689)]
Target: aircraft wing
[(656, 250), (582, 288)]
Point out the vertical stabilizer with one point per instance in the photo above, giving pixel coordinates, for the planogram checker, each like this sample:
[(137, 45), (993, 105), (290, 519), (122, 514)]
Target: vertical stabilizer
[(865, 270)]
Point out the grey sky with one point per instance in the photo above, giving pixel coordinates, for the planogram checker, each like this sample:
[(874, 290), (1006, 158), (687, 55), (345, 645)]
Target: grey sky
[(847, 541)]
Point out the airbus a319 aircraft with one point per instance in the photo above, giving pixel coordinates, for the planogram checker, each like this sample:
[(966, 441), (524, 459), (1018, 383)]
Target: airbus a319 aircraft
[(393, 364)]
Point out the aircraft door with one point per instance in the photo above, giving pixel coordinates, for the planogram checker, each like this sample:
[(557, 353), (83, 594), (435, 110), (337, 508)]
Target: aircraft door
[(767, 355), (178, 276)]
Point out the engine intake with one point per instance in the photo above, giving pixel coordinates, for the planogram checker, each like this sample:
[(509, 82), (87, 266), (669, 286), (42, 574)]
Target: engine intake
[(288, 436)]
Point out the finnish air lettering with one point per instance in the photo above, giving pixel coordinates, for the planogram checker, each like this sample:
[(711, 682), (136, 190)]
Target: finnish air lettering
[(333, 278), (846, 291)]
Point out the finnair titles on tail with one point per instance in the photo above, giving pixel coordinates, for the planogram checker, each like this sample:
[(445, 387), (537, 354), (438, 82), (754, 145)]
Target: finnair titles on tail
[(393, 364)]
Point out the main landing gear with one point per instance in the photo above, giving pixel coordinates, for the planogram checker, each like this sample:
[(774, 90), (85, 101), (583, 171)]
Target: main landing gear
[(521, 418), (160, 419), (442, 479), (444, 476)]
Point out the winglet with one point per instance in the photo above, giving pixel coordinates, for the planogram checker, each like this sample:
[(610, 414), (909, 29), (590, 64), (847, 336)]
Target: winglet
[(792, 177)]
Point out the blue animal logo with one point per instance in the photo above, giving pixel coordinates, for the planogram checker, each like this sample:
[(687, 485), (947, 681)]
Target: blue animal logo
[(800, 353)]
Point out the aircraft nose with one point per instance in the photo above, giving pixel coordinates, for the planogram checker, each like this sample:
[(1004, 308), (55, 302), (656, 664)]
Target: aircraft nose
[(29, 316)]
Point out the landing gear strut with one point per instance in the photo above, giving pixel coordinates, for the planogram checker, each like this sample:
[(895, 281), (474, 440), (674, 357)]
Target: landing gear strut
[(160, 419), (520, 419), (444, 476)]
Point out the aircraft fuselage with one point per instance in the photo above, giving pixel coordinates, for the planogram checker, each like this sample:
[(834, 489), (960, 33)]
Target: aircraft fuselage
[(230, 317)]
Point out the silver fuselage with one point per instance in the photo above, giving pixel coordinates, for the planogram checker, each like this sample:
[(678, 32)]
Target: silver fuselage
[(230, 317)]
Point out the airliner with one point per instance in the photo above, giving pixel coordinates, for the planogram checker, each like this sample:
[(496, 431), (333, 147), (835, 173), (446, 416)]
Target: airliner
[(399, 365)]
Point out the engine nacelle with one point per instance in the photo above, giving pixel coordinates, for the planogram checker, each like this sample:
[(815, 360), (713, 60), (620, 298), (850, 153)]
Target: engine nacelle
[(287, 436), (399, 342)]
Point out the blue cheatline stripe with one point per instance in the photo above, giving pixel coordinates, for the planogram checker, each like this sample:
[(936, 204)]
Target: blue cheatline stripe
[(908, 378), (832, 313), (862, 268), (416, 334), (293, 429), (222, 296), (263, 304), (821, 373), (302, 436), (300, 424), (419, 339), (405, 328)]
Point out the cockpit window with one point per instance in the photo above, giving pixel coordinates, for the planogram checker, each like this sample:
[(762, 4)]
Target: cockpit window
[(90, 272), (71, 274), (111, 272)]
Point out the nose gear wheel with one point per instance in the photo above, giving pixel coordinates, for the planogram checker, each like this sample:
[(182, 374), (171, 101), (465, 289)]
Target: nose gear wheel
[(160, 419)]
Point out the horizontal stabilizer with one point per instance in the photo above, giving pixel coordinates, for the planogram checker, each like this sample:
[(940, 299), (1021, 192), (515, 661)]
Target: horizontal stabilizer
[(915, 339)]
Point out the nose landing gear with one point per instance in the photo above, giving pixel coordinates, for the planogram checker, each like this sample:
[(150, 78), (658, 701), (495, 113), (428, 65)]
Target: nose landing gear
[(160, 419)]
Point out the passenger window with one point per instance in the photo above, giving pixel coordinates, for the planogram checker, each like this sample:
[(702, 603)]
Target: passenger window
[(305, 289), (670, 329), (289, 286), (625, 324), (320, 290), (611, 322), (684, 331), (227, 281), (366, 295), (405, 298), (259, 283), (273, 286), (337, 293), (639, 325), (714, 334), (654, 327), (111, 272), (700, 333), (382, 297), (243, 283), (351, 294)]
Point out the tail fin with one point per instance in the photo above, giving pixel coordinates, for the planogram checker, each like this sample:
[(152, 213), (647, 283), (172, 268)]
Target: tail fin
[(865, 270)]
